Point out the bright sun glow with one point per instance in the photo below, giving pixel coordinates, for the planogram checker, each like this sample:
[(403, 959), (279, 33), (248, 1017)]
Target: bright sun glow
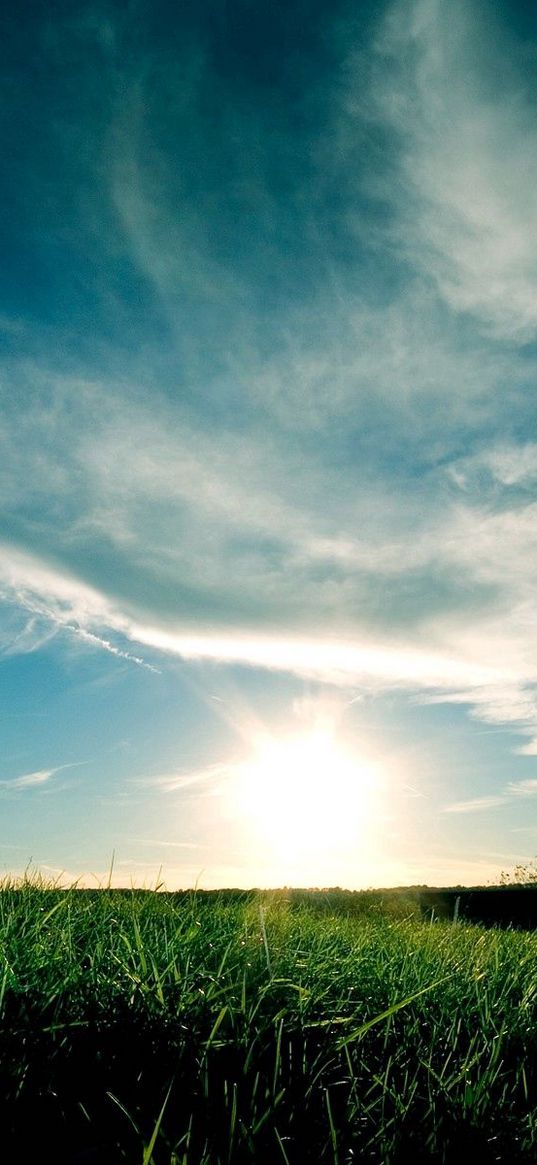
[(305, 796)]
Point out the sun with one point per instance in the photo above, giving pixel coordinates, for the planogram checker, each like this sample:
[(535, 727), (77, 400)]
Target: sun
[(305, 796)]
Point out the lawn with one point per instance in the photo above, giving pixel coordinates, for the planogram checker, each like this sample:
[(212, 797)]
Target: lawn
[(210, 1029)]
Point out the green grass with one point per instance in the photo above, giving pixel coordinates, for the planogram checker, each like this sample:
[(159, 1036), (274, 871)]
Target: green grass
[(212, 1029)]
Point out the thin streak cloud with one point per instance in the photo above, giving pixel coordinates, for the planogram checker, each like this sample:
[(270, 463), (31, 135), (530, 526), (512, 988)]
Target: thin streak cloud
[(36, 779), (474, 805)]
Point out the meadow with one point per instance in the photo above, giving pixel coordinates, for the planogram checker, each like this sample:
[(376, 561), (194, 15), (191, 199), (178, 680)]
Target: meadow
[(212, 1029)]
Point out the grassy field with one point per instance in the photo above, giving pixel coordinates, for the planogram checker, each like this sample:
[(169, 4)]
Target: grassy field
[(217, 1029)]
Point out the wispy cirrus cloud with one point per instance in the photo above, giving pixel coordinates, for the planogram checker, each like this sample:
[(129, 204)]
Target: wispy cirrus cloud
[(207, 778), (474, 805), (30, 780), (527, 788), (462, 116), (513, 790)]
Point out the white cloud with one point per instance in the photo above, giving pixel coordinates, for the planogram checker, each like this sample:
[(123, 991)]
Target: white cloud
[(474, 805), (29, 780), (482, 659), (529, 749), (513, 790), (290, 571), (208, 778), (527, 788), (35, 779), (467, 216), (498, 465), (105, 644)]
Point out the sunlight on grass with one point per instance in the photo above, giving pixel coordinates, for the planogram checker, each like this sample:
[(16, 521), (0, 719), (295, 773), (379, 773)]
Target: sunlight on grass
[(188, 1029)]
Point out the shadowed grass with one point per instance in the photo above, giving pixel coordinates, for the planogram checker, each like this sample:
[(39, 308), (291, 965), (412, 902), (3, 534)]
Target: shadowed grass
[(205, 1030)]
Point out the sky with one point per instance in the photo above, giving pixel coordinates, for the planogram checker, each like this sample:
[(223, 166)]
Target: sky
[(268, 442)]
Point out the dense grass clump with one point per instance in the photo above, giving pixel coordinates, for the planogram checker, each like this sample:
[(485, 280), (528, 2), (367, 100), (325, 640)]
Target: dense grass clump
[(217, 1029)]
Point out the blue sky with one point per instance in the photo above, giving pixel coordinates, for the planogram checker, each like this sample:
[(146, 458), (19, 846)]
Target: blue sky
[(268, 443)]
